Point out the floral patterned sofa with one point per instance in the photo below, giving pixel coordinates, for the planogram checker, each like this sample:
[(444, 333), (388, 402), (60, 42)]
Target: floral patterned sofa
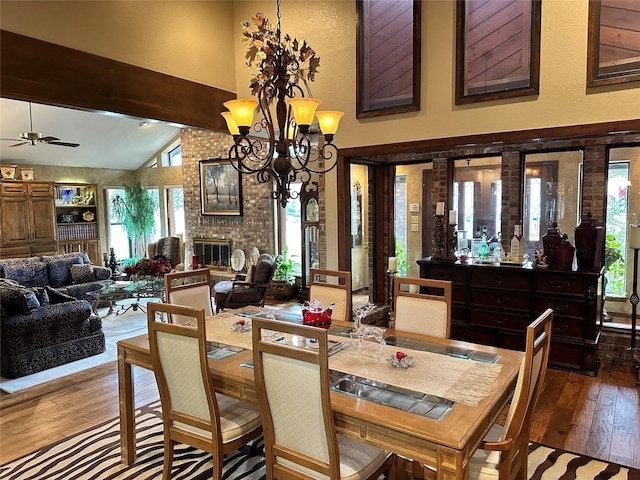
[(45, 318), (70, 273)]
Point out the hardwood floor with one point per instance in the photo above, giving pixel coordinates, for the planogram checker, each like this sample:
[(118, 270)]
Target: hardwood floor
[(595, 416)]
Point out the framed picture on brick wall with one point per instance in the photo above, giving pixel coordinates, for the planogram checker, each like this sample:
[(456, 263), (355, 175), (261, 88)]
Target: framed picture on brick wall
[(220, 188)]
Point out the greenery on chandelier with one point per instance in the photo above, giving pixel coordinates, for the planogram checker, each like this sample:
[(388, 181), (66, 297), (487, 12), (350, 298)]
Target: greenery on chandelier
[(265, 44)]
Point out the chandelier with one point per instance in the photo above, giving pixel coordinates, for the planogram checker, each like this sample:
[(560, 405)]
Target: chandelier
[(284, 67)]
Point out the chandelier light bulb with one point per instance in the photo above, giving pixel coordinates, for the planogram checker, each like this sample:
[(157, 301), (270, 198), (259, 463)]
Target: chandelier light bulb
[(328, 121), (231, 124), (242, 111), (304, 109)]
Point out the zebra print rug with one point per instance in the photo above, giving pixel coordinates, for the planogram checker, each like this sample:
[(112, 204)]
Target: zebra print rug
[(95, 455)]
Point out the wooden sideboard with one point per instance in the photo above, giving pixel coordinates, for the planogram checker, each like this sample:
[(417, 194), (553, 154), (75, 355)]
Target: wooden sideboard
[(492, 304)]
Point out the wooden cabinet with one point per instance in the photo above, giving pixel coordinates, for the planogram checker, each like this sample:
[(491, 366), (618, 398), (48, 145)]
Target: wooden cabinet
[(77, 219), (27, 220), (493, 304)]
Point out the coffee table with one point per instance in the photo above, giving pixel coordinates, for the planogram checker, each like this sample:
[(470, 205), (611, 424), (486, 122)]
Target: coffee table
[(112, 292)]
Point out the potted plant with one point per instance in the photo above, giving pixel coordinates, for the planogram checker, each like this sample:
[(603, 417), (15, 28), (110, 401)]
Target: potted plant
[(136, 210), (283, 280)]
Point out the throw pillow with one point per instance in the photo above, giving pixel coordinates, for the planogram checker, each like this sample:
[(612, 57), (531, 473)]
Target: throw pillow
[(56, 296), (41, 295), (60, 270), (31, 274), (17, 300), (82, 273)]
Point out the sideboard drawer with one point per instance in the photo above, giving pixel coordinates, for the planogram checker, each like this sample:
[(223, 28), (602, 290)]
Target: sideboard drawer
[(560, 306), (500, 279), (559, 285), (452, 274), (567, 328), (501, 300), (499, 320)]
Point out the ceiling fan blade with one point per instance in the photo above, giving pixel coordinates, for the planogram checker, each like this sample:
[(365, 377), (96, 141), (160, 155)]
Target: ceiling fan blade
[(18, 144), (11, 139), (64, 144), (48, 139)]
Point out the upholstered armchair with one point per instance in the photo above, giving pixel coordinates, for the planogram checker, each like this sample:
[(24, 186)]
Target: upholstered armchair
[(172, 248), (251, 291)]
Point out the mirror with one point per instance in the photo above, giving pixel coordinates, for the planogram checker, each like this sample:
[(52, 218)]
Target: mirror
[(477, 199), (551, 195)]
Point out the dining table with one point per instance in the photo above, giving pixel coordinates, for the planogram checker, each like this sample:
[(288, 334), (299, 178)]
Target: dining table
[(436, 411)]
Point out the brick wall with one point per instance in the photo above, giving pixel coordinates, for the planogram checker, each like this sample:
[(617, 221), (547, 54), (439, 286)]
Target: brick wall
[(256, 225)]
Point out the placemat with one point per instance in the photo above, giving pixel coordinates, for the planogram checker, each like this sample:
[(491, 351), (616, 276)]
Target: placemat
[(461, 380), (220, 329)]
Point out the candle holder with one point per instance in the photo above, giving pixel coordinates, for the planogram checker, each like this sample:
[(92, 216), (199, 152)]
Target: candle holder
[(392, 276), (439, 237), (453, 242)]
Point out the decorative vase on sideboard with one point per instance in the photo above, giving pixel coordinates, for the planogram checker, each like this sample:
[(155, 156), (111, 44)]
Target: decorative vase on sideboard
[(589, 240), (564, 254)]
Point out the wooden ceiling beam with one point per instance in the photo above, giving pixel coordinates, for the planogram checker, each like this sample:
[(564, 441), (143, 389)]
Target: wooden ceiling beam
[(43, 72)]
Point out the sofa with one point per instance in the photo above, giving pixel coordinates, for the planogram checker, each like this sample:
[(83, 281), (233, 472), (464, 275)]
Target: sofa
[(46, 318), (42, 328), (70, 273)]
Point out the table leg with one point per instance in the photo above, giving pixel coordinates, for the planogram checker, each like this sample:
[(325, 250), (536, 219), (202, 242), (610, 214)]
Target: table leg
[(127, 409)]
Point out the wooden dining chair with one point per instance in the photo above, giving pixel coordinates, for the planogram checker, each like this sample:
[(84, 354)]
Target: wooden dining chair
[(191, 288), (427, 312), (503, 452), (332, 286), (294, 399), (192, 413)]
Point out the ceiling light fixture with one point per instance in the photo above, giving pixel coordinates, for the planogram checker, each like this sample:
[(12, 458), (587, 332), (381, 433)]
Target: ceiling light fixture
[(143, 124), (284, 65)]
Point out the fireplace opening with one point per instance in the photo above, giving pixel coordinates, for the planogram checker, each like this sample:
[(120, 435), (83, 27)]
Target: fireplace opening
[(213, 252)]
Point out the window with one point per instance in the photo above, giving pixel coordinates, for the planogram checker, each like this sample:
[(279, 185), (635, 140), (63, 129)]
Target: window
[(175, 156), (400, 222), (172, 155), (617, 211), (175, 211), (118, 239), (291, 230)]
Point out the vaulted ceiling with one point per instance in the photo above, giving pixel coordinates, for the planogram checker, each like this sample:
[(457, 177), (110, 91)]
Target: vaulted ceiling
[(106, 141)]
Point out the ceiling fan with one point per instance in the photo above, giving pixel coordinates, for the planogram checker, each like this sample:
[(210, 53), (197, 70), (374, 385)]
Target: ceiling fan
[(32, 138)]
